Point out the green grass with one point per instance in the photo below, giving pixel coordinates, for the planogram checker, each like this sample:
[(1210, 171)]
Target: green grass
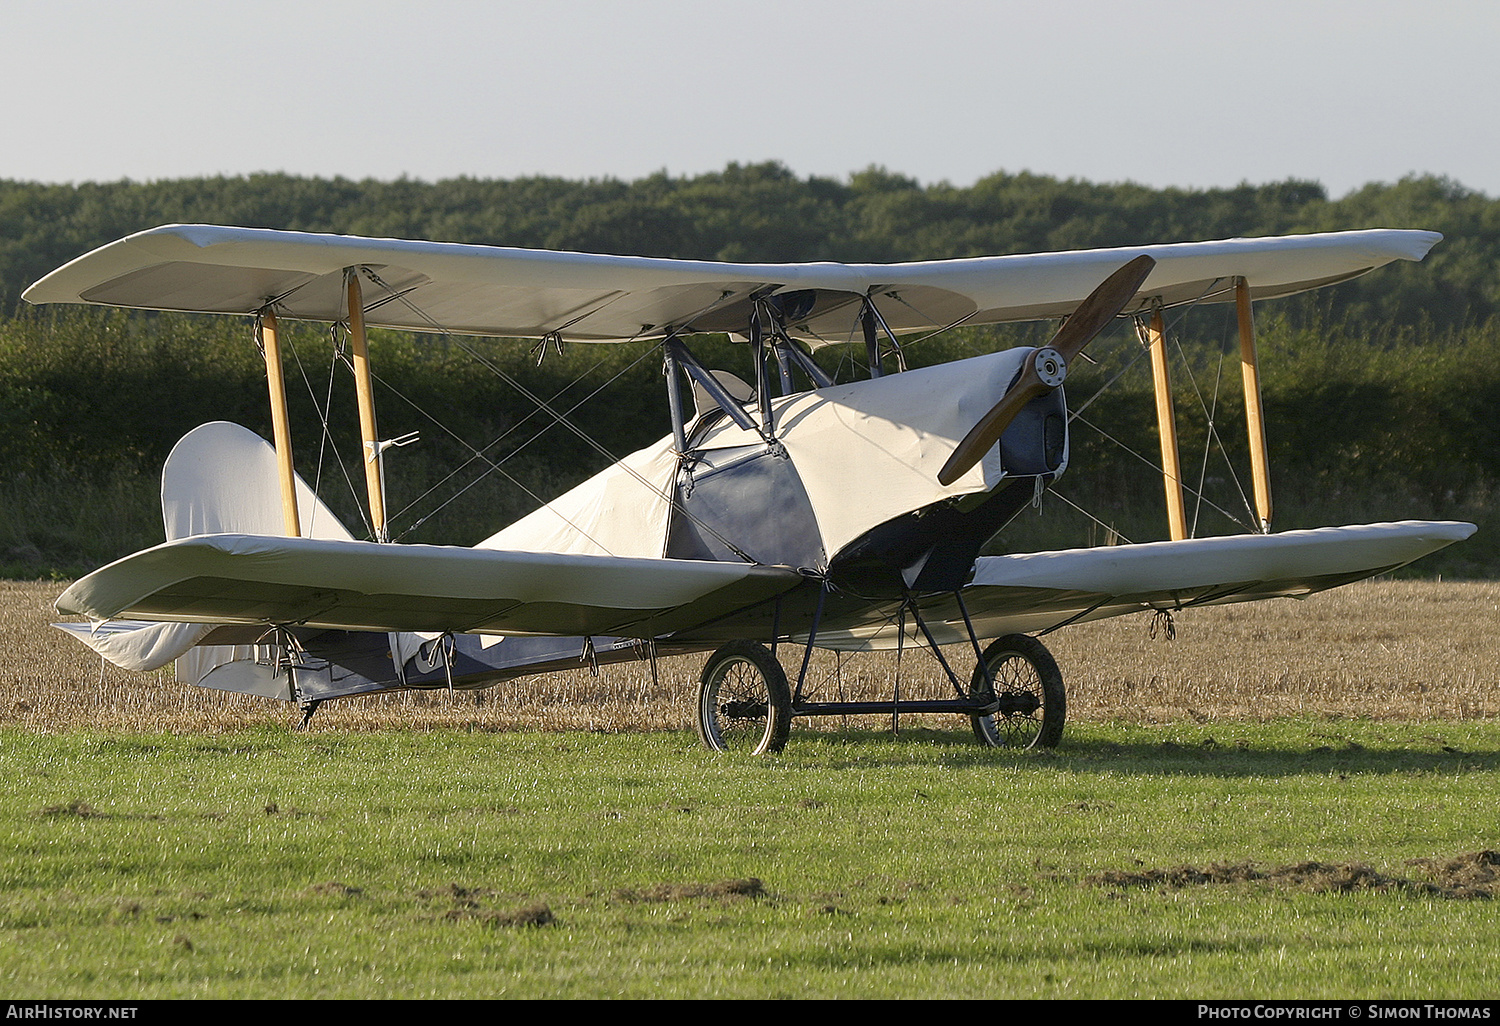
[(407, 864)]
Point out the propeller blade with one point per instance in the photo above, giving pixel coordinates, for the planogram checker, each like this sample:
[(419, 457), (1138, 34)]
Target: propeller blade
[(1048, 365)]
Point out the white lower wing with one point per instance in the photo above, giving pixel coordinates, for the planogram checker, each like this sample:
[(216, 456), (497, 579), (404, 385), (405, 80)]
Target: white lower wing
[(1094, 583), (253, 579), (1044, 590)]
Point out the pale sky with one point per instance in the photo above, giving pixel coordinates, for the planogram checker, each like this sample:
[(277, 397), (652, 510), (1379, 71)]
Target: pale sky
[(1163, 92)]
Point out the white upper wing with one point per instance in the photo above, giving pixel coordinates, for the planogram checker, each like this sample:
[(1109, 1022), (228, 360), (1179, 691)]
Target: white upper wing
[(491, 290)]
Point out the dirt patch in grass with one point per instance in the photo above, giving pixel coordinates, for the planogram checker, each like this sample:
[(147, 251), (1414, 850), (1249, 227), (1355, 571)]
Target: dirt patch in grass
[(81, 809), (468, 906), (1477, 870), (749, 887), (335, 887), (1475, 876), (526, 915)]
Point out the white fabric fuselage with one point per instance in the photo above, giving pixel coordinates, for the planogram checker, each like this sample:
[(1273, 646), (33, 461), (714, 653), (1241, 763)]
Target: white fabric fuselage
[(866, 452)]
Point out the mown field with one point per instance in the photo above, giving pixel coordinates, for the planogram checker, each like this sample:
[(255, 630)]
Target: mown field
[(1292, 799), (1404, 650)]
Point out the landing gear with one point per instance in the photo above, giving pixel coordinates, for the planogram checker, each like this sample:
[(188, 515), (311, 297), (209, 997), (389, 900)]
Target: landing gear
[(1015, 698), (744, 704), (1029, 690)]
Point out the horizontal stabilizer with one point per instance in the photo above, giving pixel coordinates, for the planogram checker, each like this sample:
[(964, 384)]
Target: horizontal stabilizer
[(353, 585), (136, 644)]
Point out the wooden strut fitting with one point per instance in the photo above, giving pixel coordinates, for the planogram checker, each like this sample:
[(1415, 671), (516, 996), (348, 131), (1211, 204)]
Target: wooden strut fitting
[(1255, 421), (359, 349), (280, 429), (1166, 426)]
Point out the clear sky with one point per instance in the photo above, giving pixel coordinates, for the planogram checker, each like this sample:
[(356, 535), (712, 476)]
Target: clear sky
[(1163, 92)]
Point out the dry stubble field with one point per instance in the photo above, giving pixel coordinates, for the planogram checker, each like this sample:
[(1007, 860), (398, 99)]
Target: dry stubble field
[(1383, 649)]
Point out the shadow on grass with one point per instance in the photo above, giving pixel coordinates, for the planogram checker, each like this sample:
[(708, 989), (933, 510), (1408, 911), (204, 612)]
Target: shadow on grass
[(1301, 748)]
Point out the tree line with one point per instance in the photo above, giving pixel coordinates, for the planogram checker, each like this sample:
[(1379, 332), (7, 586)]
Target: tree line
[(1380, 391)]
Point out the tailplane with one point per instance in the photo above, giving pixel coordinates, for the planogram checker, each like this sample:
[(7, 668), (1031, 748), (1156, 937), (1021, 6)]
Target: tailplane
[(220, 478)]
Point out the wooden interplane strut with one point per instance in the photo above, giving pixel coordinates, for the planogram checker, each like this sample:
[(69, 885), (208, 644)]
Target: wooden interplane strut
[(1166, 425), (1255, 421), (281, 432), (359, 350)]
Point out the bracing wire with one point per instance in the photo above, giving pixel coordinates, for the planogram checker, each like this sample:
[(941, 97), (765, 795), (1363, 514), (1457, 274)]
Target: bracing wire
[(326, 432), (1213, 437), (547, 408), (493, 466), (1158, 468), (322, 409), (479, 454), (1108, 527), (1213, 429), (1207, 449)]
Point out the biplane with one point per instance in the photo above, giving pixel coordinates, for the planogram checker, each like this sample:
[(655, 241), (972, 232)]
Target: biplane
[(784, 510)]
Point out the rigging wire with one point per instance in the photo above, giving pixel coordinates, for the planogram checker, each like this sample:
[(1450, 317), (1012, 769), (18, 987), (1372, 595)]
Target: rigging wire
[(511, 430), (326, 434), (493, 466), (1108, 527), (1207, 449), (1212, 428), (479, 454), (1213, 437), (1141, 351), (323, 410), (901, 347), (1157, 467), (545, 407)]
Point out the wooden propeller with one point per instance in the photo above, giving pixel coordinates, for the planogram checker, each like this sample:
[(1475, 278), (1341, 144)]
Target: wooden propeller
[(1049, 365)]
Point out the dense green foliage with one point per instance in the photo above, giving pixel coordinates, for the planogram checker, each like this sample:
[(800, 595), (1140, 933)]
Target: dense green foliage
[(1380, 390), (399, 864)]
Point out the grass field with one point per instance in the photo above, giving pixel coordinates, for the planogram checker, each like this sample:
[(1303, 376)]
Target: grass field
[(1288, 800), (1385, 650)]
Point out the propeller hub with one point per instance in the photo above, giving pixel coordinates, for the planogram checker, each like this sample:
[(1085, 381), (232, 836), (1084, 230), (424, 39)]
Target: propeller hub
[(1050, 366)]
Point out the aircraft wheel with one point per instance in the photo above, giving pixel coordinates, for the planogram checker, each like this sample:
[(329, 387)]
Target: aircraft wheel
[(1030, 689), (744, 704)]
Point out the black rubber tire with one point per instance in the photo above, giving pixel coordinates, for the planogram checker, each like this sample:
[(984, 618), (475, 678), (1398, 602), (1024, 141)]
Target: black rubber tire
[(744, 703), (1025, 675)]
